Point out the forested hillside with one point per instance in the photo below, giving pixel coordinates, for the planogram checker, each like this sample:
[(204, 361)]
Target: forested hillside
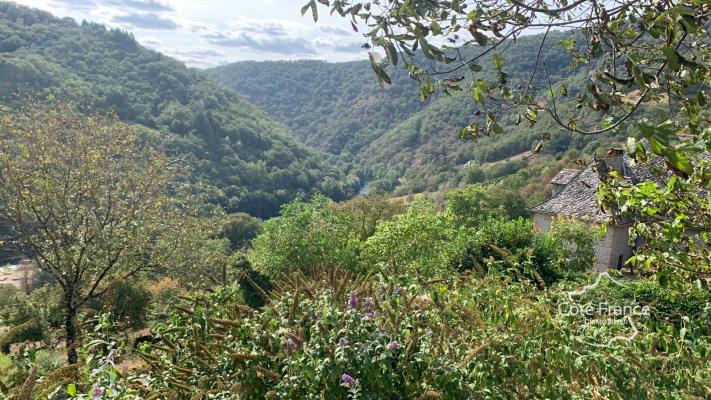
[(256, 162), (338, 107), (397, 141)]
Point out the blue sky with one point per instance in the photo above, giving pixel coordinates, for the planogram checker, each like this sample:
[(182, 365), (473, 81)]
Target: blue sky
[(213, 32)]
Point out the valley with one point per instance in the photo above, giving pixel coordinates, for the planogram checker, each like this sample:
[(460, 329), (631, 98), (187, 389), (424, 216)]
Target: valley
[(213, 200)]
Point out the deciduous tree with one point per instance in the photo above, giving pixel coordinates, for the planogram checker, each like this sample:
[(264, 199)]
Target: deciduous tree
[(92, 201)]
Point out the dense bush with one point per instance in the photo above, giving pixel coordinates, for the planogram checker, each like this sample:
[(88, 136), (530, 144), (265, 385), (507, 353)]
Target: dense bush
[(164, 294), (369, 210), (29, 317), (240, 229), (421, 241), (126, 302), (389, 337), (573, 244), (129, 302), (512, 247), (375, 235), (687, 304), (306, 236)]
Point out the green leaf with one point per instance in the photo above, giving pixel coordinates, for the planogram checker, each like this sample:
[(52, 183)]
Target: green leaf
[(72, 389), (479, 90), (391, 52), (680, 161), (506, 93), (314, 10), (663, 279), (532, 114), (305, 8), (376, 63), (480, 38), (672, 57)]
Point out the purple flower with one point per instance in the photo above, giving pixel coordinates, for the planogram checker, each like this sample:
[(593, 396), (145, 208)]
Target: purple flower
[(292, 344), (369, 303), (368, 315), (348, 380), (98, 391), (383, 329), (342, 342), (352, 301), (397, 292), (314, 318), (393, 345)]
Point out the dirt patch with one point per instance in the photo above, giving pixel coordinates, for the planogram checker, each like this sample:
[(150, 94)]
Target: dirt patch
[(520, 156), (633, 97), (18, 274)]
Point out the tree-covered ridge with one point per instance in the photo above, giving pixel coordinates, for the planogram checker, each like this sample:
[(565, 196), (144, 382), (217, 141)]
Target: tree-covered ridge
[(338, 107), (398, 141), (255, 162)]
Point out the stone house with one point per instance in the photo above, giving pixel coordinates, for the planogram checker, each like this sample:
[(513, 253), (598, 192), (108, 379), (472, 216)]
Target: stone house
[(574, 195)]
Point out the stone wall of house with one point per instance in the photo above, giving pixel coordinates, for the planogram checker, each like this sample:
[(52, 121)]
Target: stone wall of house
[(541, 222), (607, 250), (613, 248)]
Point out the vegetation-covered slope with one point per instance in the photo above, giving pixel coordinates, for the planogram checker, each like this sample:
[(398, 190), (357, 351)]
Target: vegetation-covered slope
[(398, 141), (255, 161), (338, 107)]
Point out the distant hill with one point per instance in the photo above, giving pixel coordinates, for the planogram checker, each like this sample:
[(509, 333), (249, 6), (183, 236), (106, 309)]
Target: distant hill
[(256, 162), (338, 107), (391, 137)]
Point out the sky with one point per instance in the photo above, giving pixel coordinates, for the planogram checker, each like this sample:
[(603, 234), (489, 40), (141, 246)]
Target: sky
[(207, 33)]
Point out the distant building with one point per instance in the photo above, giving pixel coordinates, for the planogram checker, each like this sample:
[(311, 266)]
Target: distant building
[(575, 196)]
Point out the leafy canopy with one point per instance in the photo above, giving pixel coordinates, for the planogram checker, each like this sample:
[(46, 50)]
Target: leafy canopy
[(92, 202), (635, 52)]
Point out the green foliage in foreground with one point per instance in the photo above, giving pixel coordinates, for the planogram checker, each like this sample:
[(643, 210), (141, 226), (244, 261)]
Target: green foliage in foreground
[(385, 337), (420, 239), (672, 217)]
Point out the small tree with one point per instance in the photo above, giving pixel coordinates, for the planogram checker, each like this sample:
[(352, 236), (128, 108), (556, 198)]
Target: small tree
[(91, 202), (306, 237)]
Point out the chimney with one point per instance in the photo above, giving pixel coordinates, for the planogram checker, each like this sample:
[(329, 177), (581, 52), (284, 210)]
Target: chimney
[(614, 159)]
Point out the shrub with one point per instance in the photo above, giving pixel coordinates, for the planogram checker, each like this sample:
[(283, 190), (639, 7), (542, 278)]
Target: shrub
[(369, 210), (511, 247), (306, 236), (504, 247), (164, 295), (573, 242), (474, 204), (31, 330), (383, 338), (29, 317), (8, 294), (253, 285), (420, 241), (241, 229), (128, 302)]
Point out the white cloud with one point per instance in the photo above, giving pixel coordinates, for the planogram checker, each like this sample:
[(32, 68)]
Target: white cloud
[(219, 31)]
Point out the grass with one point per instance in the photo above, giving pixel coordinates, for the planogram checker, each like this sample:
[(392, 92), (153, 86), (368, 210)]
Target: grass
[(5, 362), (6, 369)]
